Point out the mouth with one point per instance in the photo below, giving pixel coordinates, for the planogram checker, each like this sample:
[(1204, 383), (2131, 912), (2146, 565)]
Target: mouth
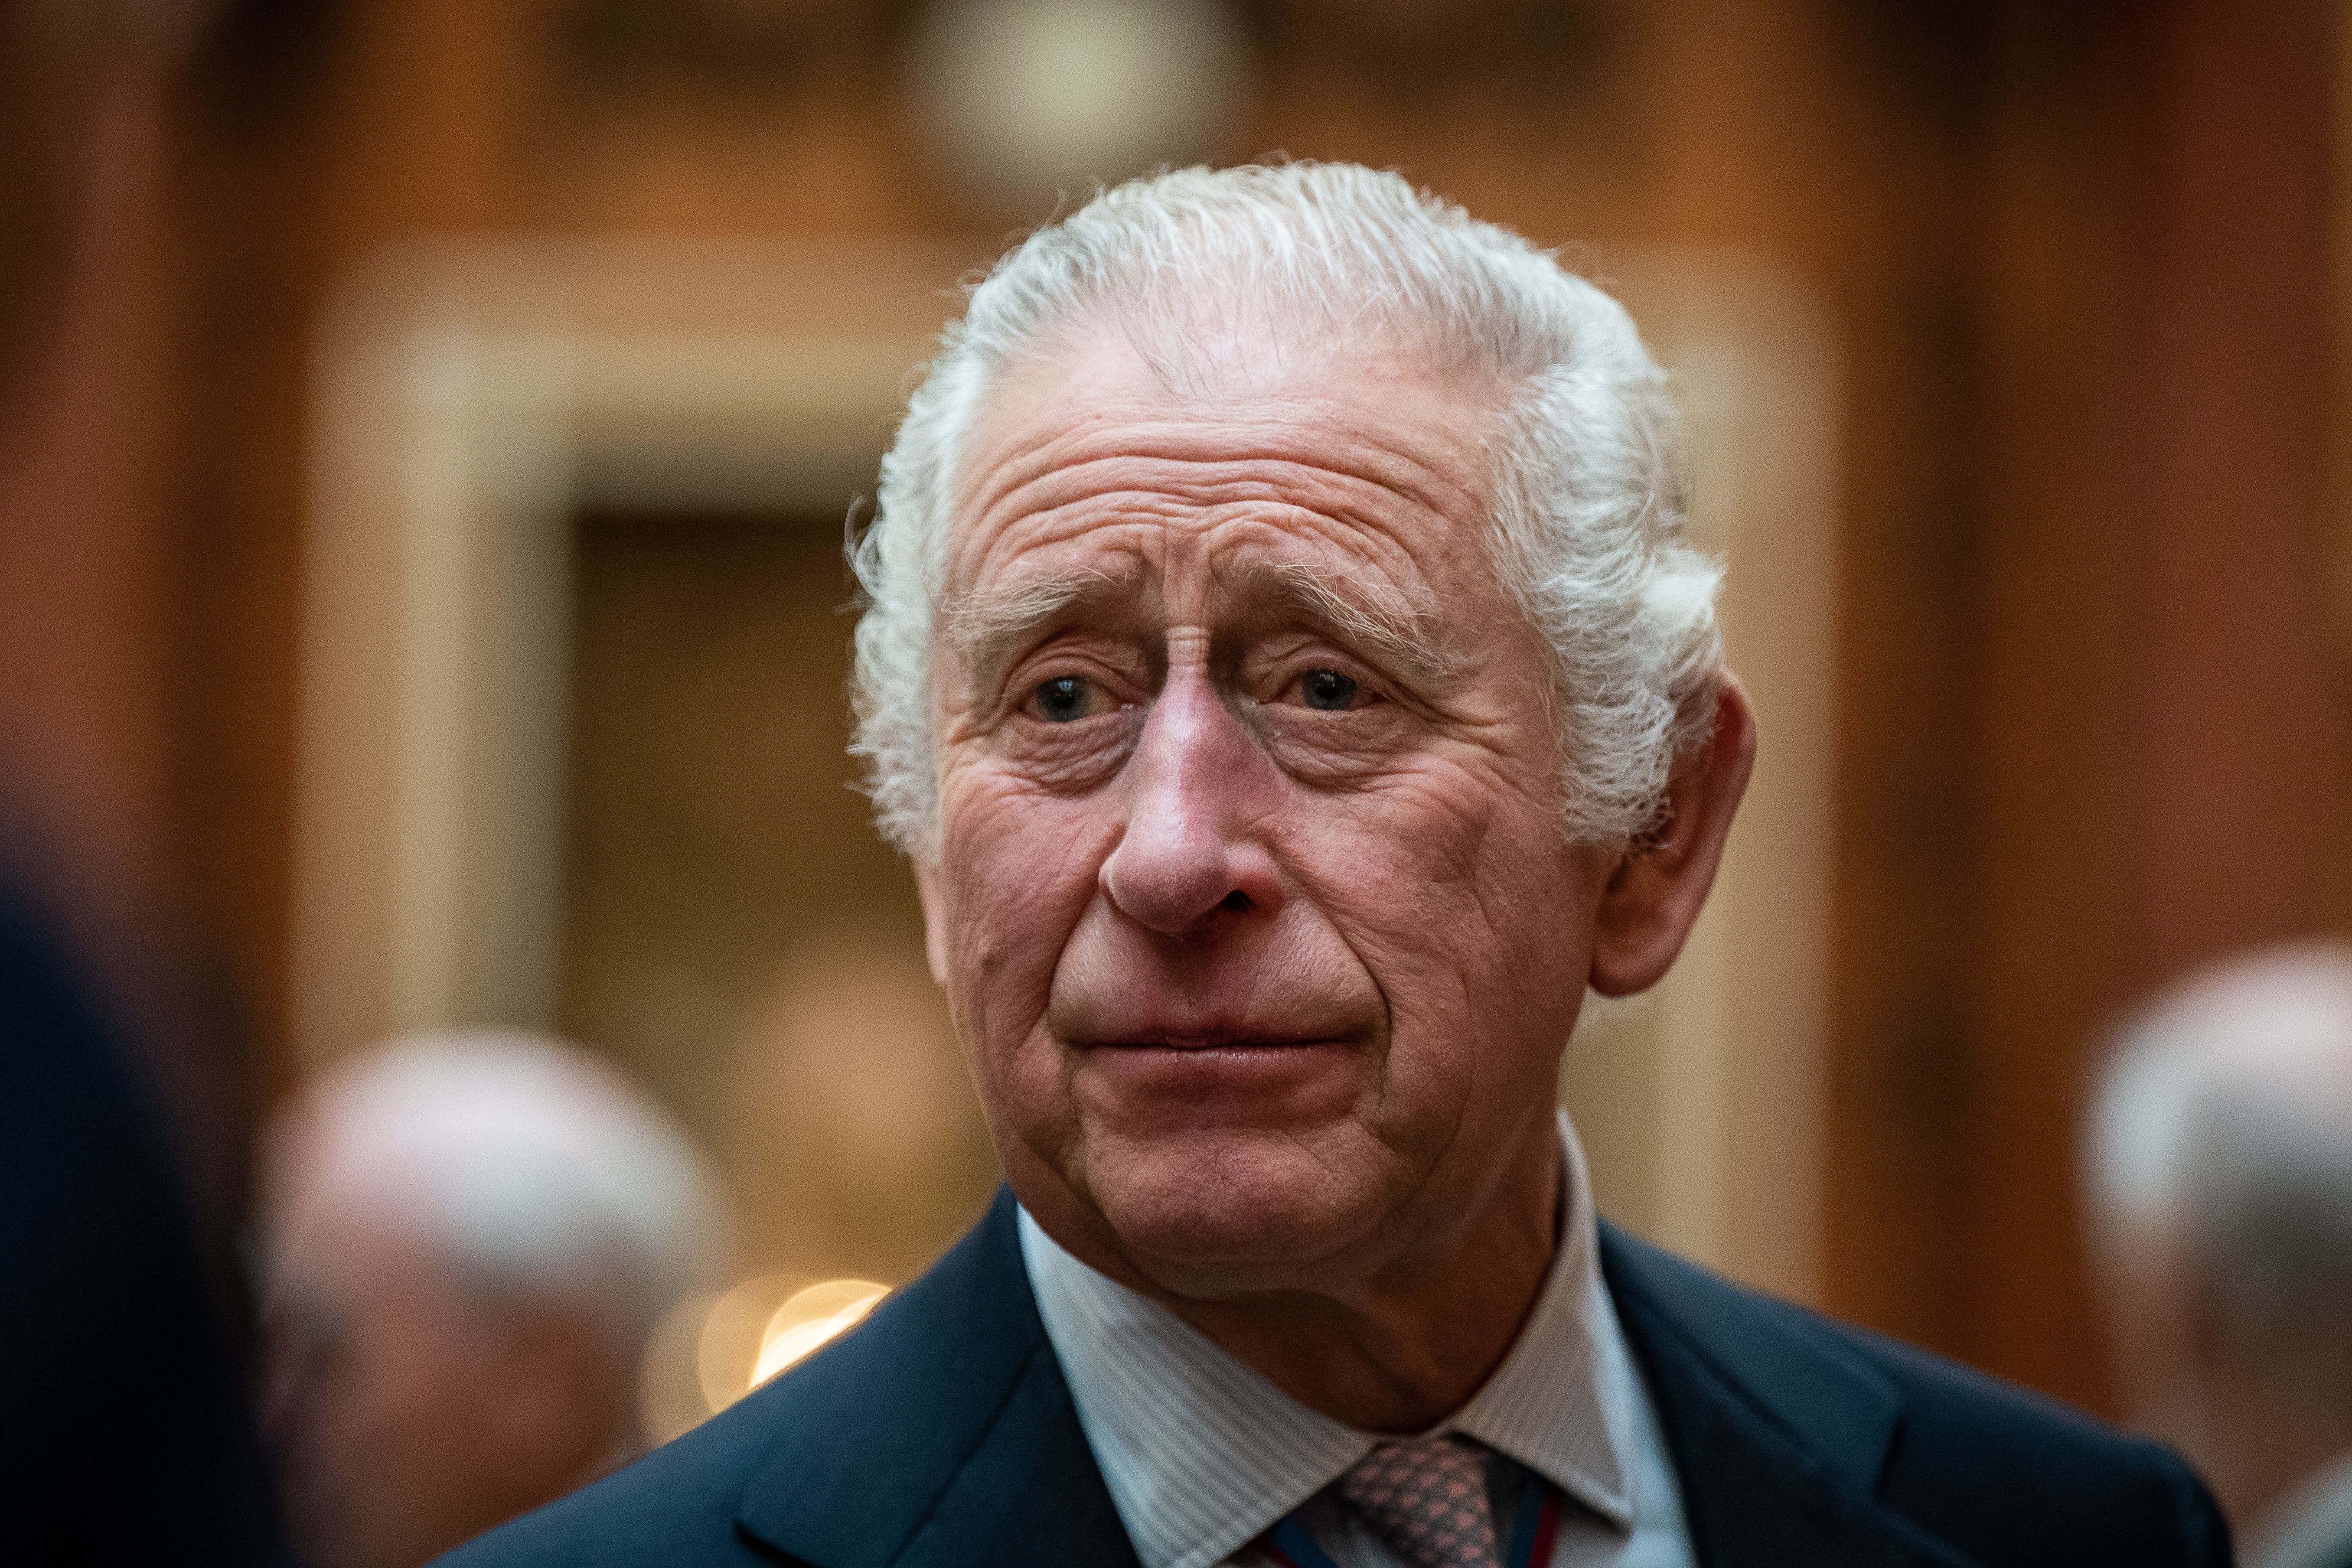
[(1239, 1076), (1214, 1041)]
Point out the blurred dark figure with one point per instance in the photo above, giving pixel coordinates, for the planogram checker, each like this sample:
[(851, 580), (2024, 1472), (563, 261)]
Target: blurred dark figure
[(471, 1237), (125, 1434), (2220, 1182)]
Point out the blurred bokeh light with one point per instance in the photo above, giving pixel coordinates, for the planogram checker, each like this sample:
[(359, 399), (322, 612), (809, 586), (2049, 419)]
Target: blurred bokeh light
[(712, 1350), (1026, 101)]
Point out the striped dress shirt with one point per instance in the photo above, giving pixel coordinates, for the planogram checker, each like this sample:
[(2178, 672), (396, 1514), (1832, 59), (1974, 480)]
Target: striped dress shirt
[(1202, 1455)]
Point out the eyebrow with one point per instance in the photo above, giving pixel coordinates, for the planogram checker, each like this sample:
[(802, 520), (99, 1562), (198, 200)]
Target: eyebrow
[(1379, 620), (988, 626)]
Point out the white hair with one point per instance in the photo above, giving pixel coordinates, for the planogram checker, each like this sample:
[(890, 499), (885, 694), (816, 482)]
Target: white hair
[(1585, 464), (2222, 1130), (532, 1167)]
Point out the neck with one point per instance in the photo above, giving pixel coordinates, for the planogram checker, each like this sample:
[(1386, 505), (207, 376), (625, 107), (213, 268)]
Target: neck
[(1403, 1349)]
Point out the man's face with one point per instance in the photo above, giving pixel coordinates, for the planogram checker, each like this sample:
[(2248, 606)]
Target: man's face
[(1251, 899), (407, 1413)]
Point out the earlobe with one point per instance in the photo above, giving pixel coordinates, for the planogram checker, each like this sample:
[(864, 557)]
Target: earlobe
[(1661, 881), (935, 938)]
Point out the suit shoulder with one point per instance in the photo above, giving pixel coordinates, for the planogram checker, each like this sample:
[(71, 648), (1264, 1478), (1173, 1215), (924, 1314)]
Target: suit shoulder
[(2003, 1467), (2009, 1474)]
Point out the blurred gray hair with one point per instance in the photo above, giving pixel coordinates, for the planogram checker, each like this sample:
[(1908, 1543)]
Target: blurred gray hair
[(536, 1169), (1586, 467), (2223, 1128)]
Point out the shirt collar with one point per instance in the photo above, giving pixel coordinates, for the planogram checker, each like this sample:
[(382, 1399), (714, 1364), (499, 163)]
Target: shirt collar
[(1202, 1455)]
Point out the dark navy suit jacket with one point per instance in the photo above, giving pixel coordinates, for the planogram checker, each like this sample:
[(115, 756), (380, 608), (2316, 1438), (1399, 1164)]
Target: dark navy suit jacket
[(124, 1431), (940, 1434)]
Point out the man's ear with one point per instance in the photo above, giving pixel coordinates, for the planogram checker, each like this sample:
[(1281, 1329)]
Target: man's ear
[(935, 917), (1654, 896)]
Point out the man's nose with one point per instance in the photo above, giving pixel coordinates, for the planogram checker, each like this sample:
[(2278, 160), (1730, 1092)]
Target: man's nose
[(1198, 788)]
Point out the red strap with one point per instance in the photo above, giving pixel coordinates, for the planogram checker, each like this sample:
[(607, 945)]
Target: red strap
[(1546, 1529), (1266, 1544)]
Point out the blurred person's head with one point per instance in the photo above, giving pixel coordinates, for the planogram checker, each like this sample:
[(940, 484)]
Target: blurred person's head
[(2219, 1175), (471, 1238)]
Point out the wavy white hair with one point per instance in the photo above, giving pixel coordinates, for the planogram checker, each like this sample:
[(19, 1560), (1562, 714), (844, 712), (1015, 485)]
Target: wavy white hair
[(2221, 1131), (531, 1165), (1584, 451)]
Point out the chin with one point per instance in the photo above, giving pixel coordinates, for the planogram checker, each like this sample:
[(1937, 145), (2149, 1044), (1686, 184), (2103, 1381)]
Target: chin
[(1214, 1213)]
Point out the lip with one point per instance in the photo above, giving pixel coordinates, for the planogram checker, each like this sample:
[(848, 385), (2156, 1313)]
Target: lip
[(1242, 1072), (1211, 1040)]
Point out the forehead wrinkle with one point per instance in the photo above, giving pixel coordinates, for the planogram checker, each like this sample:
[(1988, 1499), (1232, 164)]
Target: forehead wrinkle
[(1205, 499), (1048, 477), (1317, 437)]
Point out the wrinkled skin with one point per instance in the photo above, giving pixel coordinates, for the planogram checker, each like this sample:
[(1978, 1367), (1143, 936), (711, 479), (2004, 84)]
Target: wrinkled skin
[(1252, 901)]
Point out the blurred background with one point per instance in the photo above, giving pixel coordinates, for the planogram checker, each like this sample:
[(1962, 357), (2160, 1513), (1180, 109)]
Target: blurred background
[(421, 587)]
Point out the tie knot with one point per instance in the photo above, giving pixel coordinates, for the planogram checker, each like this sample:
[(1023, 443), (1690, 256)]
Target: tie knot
[(1427, 1499)]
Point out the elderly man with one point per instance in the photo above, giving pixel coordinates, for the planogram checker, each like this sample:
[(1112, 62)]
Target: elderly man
[(2219, 1170), (1286, 673), (471, 1238)]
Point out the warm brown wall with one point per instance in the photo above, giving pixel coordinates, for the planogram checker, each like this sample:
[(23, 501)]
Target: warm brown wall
[(2237, 706), (2162, 701), (2077, 266), (91, 680), (85, 546)]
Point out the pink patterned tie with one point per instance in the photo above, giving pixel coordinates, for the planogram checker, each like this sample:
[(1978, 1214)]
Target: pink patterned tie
[(1427, 1499)]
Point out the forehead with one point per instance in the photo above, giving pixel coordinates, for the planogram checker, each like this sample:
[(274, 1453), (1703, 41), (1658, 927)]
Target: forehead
[(342, 1241), (1369, 464)]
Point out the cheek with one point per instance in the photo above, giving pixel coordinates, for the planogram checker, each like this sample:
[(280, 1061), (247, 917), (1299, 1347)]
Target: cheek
[(1472, 916), (1019, 869), (397, 1403)]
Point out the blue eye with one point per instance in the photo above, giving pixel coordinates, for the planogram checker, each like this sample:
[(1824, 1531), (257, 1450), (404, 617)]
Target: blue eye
[(1327, 690), (1062, 699)]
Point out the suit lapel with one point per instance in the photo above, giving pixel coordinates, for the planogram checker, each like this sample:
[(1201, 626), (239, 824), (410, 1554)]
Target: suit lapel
[(1783, 1478), (938, 1432), (1030, 1494)]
